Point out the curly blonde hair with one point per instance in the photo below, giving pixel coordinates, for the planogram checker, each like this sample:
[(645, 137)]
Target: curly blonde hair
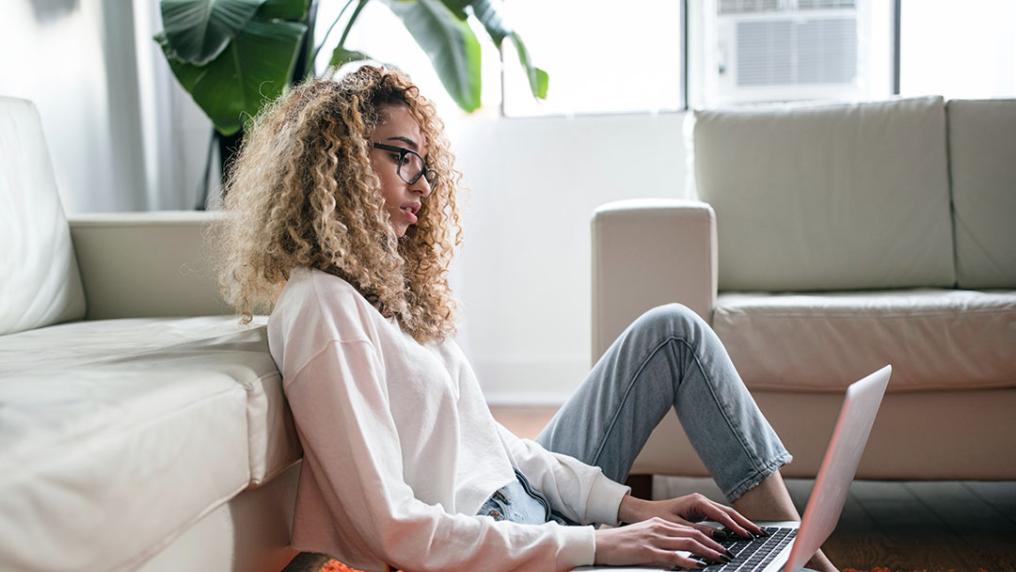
[(301, 192)]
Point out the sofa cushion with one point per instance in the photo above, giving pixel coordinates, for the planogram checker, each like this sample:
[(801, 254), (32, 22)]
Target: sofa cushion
[(118, 434), (982, 162), (831, 197), (934, 339), (40, 284)]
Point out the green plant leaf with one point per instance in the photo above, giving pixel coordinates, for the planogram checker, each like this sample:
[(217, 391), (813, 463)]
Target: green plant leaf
[(488, 15), (450, 44), (199, 30), (252, 71), (292, 10), (341, 56), (458, 7), (538, 79)]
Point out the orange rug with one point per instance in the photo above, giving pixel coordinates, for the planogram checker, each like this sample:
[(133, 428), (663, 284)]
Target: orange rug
[(336, 566)]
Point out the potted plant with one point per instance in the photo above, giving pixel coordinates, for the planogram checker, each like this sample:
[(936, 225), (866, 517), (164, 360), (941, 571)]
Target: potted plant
[(234, 56)]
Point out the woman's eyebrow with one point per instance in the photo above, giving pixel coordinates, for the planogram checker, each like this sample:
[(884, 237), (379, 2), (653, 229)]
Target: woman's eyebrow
[(406, 140)]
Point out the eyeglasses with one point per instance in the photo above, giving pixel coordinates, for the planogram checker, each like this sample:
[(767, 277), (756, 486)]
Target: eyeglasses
[(411, 165)]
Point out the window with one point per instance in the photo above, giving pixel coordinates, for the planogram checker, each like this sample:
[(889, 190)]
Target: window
[(603, 56), (639, 56), (749, 51), (958, 48)]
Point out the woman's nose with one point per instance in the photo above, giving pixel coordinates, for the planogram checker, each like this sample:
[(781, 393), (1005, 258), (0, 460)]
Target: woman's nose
[(422, 185)]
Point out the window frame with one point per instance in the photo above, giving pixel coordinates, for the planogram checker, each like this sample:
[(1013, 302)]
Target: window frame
[(686, 81)]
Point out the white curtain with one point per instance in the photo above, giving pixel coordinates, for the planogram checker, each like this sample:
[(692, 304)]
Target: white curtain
[(122, 134), (176, 132)]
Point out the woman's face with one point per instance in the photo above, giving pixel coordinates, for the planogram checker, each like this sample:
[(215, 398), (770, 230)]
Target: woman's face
[(402, 200)]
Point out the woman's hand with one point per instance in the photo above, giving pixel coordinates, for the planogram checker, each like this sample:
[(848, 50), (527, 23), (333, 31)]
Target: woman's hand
[(655, 542), (688, 510)]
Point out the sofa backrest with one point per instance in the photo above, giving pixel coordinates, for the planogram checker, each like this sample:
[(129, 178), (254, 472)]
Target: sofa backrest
[(982, 167), (39, 280), (845, 196)]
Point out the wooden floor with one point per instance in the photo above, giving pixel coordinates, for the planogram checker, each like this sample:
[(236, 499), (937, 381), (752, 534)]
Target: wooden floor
[(932, 526)]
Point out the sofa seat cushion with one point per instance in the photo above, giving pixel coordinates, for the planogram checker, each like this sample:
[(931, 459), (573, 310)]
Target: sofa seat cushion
[(934, 338), (117, 435)]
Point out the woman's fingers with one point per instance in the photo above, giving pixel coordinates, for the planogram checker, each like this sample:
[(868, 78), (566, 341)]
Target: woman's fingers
[(669, 558), (695, 547), (693, 533), (730, 518), (715, 512), (742, 520), (704, 528)]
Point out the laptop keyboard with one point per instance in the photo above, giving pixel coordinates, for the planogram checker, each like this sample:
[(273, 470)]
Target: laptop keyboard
[(755, 554)]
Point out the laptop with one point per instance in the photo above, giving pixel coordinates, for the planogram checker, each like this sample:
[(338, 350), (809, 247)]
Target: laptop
[(790, 544)]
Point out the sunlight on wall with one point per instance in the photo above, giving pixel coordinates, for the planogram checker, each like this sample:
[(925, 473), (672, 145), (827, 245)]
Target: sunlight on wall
[(958, 48)]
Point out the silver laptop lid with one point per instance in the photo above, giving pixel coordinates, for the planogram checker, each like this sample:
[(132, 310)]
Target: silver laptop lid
[(839, 466)]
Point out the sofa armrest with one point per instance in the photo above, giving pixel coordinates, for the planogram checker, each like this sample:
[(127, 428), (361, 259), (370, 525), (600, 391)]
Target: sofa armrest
[(648, 252), (146, 264)]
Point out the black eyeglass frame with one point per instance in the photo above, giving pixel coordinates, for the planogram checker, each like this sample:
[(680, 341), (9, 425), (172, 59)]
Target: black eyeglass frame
[(426, 172)]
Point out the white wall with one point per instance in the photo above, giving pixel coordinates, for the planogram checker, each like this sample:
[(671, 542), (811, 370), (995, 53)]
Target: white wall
[(524, 267)]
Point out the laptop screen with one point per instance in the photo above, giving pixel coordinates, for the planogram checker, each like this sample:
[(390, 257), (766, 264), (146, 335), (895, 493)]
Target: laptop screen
[(839, 466)]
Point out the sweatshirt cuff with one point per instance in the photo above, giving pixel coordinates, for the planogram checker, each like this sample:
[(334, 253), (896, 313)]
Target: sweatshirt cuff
[(578, 548), (605, 500)]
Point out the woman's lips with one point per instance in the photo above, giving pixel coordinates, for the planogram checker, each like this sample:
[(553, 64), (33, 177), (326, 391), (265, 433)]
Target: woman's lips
[(409, 214)]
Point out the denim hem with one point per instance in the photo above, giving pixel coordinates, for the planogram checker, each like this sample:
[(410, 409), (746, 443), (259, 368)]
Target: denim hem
[(758, 476)]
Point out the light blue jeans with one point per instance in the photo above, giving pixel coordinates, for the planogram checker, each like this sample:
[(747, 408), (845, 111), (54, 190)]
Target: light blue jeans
[(668, 357)]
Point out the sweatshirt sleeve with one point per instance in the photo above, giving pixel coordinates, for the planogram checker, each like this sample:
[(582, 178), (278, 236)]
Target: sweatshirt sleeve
[(340, 405), (577, 490)]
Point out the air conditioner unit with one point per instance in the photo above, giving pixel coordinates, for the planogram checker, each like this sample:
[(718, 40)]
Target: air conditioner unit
[(779, 50)]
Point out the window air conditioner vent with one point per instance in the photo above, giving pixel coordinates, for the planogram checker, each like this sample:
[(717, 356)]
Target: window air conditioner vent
[(793, 52), (774, 6)]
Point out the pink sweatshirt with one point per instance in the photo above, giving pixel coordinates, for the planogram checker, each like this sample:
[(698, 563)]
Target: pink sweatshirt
[(400, 448)]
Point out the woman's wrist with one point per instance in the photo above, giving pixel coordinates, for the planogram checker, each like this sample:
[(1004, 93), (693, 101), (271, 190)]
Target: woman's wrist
[(631, 509)]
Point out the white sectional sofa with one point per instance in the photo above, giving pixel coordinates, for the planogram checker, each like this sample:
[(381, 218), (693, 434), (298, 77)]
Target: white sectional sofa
[(141, 427), (824, 242)]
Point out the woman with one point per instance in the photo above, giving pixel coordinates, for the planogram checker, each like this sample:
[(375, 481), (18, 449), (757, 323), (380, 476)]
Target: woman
[(341, 203)]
